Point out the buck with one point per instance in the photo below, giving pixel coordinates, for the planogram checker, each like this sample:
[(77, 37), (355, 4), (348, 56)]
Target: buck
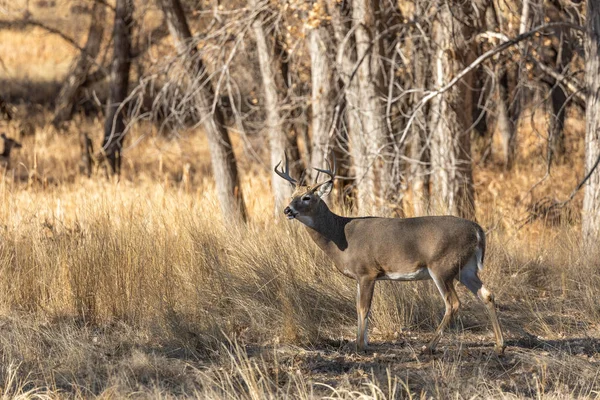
[(368, 249), (9, 144)]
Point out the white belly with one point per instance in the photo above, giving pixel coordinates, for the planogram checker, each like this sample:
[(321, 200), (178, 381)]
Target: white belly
[(419, 275)]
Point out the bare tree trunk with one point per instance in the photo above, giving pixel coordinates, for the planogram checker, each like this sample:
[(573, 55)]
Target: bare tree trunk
[(480, 96), (114, 126), (323, 97), (559, 55), (274, 123), (366, 112), (348, 114), (293, 124), (507, 125), (509, 106), (591, 199), (223, 160), (506, 110), (419, 147), (86, 148), (556, 140), (81, 66), (450, 116)]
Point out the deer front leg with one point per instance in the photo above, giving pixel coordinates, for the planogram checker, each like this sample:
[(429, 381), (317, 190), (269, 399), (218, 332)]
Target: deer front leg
[(364, 296)]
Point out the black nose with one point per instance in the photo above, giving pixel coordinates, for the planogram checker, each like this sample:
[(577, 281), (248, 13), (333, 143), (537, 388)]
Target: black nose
[(287, 211)]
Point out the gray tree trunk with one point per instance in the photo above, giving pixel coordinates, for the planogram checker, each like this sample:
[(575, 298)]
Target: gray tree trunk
[(365, 112), (274, 123), (323, 97), (508, 106), (556, 139), (81, 66), (450, 113), (114, 126), (420, 167), (368, 137), (558, 54), (507, 124), (591, 199), (223, 160), (507, 109), (294, 123)]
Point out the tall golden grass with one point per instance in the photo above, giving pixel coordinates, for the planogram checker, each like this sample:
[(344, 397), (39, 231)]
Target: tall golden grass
[(141, 286)]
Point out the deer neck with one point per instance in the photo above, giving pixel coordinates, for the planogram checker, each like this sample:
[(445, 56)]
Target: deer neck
[(327, 230)]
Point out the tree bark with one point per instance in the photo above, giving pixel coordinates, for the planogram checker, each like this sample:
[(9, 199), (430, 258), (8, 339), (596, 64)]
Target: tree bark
[(322, 97), (223, 161), (451, 143), (559, 54), (114, 126), (591, 199), (556, 139), (81, 66), (507, 108), (86, 148), (365, 113), (420, 167), (368, 137), (274, 123), (507, 124), (294, 125)]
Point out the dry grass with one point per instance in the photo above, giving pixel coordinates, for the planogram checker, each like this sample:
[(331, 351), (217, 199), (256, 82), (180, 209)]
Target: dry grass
[(139, 288)]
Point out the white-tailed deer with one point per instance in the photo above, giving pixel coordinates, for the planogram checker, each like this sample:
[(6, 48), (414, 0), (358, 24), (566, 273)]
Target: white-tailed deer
[(9, 144), (368, 249)]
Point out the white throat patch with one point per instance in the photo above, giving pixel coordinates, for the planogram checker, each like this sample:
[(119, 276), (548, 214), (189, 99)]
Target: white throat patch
[(306, 220)]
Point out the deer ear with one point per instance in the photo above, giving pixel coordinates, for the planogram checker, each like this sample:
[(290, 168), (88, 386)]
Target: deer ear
[(323, 189)]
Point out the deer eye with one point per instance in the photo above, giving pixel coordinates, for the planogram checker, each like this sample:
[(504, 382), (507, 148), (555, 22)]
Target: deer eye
[(306, 198)]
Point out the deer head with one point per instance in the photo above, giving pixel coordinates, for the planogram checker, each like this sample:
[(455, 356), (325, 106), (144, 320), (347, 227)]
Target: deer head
[(306, 200)]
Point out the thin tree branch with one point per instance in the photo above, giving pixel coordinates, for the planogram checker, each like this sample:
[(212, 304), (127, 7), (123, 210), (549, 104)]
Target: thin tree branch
[(578, 92), (55, 31), (488, 54)]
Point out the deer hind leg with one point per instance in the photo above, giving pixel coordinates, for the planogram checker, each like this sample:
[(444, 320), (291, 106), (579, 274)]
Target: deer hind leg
[(468, 277), (446, 288), (364, 296), (454, 297)]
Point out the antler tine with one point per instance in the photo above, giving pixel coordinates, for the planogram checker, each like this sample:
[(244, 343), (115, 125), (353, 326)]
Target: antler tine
[(329, 171), (285, 174)]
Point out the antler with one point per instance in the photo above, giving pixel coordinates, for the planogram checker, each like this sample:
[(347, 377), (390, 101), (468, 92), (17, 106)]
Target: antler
[(285, 174), (329, 171)]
